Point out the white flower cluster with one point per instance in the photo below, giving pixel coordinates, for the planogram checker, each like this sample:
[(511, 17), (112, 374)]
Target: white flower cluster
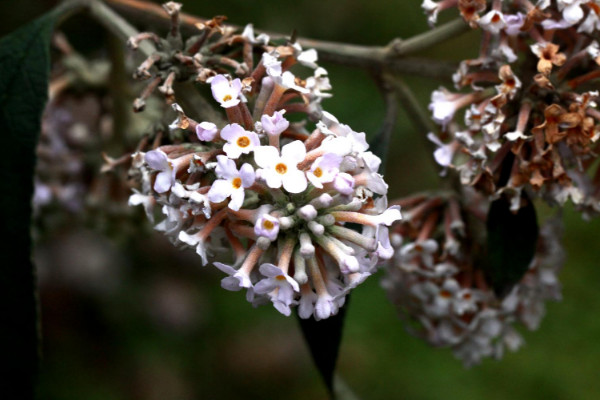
[(445, 300), (278, 195)]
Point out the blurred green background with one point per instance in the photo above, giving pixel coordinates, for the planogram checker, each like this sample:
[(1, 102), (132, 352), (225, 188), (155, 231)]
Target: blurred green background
[(132, 318)]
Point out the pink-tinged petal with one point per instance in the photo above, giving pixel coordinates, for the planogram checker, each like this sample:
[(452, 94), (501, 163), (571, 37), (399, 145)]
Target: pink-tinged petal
[(293, 152), (293, 283), (282, 308), (270, 270), (226, 168), (344, 183), (231, 131), (329, 161), (231, 283), (229, 270), (157, 159), (295, 181), (237, 199), (206, 131), (247, 174), (265, 286), (254, 140), (220, 190), (275, 124), (164, 181), (272, 178), (236, 84), (233, 151), (272, 230), (266, 156)]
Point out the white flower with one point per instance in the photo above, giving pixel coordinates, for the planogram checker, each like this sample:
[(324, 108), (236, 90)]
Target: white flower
[(225, 92), (282, 170), (233, 183), (324, 169), (267, 226), (272, 64), (492, 22), (280, 286), (158, 160), (239, 140)]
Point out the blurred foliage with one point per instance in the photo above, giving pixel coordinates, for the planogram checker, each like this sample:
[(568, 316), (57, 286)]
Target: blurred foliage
[(135, 318)]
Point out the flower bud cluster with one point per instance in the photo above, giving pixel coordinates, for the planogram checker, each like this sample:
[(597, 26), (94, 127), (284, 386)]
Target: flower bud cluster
[(444, 297), (530, 112), (277, 183)]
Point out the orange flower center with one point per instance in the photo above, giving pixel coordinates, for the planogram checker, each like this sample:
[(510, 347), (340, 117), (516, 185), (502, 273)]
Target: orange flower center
[(496, 18), (280, 278), (281, 168), (445, 294), (227, 97), (243, 141), (318, 172), (236, 183), (268, 224)]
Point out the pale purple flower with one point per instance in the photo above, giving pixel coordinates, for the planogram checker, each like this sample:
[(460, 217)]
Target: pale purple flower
[(226, 92), (282, 170), (275, 124), (206, 131), (232, 184), (344, 183), (239, 140), (236, 280), (267, 226), (324, 169), (158, 160), (279, 285)]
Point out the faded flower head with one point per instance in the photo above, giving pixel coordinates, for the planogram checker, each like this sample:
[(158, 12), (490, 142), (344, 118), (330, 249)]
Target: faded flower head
[(441, 291), (526, 117), (275, 192)]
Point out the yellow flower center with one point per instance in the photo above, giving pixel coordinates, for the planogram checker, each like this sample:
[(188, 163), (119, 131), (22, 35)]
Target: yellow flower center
[(281, 168), (280, 278), (268, 224), (318, 172), (227, 97), (243, 141), (236, 183)]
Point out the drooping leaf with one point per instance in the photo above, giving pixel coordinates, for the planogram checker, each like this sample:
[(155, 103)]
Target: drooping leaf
[(511, 243), (24, 67), (323, 338)]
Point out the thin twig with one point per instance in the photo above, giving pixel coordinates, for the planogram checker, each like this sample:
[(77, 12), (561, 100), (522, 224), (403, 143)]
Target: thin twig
[(392, 56)]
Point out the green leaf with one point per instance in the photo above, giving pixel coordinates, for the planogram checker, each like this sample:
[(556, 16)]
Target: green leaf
[(24, 68), (511, 240), (323, 338)]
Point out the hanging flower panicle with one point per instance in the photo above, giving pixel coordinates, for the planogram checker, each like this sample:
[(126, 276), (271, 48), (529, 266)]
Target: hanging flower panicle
[(530, 112), (277, 193), (439, 290)]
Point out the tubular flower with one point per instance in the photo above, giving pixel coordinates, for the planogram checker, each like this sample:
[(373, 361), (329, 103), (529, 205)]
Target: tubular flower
[(279, 196), (529, 102), (441, 293)]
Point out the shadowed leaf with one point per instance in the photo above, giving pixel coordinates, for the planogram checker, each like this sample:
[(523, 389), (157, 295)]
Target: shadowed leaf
[(511, 240), (24, 67)]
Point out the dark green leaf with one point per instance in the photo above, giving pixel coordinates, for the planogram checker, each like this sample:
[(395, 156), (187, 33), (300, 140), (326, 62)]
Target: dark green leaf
[(324, 338), (511, 240), (24, 67)]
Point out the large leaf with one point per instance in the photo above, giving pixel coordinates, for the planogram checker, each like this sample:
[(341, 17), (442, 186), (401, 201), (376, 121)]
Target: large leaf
[(24, 67), (323, 338), (511, 239)]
